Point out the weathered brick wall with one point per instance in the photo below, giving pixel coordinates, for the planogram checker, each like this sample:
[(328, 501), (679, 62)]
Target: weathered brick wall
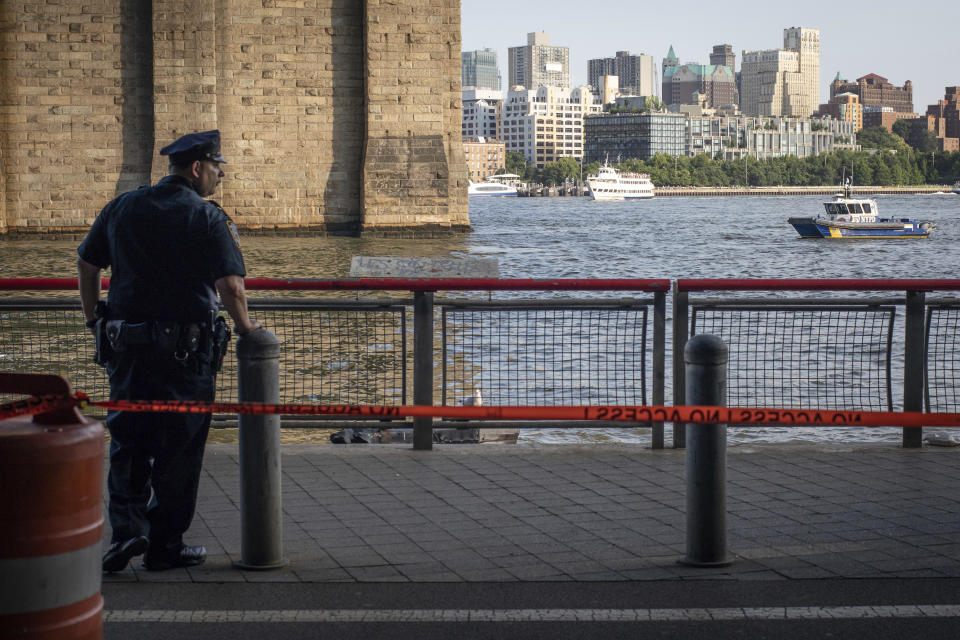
[(90, 91), (60, 111), (414, 166)]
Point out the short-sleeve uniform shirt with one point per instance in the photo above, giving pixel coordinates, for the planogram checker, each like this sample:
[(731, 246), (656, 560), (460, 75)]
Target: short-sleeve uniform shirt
[(166, 247)]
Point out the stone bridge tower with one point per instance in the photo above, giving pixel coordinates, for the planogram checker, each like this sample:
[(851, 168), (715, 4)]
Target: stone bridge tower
[(337, 116)]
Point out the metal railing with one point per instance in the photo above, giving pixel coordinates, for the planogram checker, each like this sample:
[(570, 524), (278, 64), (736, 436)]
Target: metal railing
[(392, 351), (814, 350), (822, 350), (942, 370)]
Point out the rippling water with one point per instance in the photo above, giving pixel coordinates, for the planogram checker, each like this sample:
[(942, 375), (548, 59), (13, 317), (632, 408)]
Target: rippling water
[(676, 237)]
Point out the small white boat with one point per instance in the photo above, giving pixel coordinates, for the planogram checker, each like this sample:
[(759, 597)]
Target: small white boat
[(610, 184), (500, 185), (956, 187)]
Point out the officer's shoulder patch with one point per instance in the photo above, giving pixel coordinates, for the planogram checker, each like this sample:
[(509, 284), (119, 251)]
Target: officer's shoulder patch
[(232, 228)]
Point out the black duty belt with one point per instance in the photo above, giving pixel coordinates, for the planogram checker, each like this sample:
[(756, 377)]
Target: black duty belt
[(178, 338)]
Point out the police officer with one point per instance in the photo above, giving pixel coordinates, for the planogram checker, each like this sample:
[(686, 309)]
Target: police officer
[(170, 252)]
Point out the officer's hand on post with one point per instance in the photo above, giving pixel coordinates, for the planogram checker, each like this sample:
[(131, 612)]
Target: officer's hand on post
[(253, 326)]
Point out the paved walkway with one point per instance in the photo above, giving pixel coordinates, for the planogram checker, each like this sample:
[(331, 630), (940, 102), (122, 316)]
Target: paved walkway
[(532, 513)]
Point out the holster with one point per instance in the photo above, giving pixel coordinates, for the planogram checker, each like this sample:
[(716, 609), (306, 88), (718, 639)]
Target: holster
[(102, 353), (221, 342)]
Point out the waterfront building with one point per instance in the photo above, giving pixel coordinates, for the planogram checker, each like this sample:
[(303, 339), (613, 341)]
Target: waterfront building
[(481, 113), (876, 91), (635, 73), (546, 124), (612, 136), (484, 157), (479, 70), (538, 64), (844, 106), (634, 135), (783, 82), (762, 137)]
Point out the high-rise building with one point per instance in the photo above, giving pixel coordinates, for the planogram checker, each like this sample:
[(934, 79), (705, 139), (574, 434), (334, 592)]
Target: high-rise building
[(876, 91), (683, 83), (538, 64), (724, 56), (635, 73), (783, 82), (546, 124), (481, 113), (806, 42), (597, 68), (479, 69)]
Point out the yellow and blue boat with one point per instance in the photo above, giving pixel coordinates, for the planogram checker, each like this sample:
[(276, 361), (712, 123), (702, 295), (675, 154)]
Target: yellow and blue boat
[(858, 218)]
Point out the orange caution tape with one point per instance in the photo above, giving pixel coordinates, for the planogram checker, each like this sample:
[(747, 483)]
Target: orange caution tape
[(645, 414), (38, 404)]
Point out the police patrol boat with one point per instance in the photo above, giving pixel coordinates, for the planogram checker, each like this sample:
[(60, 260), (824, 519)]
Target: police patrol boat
[(610, 184), (848, 217)]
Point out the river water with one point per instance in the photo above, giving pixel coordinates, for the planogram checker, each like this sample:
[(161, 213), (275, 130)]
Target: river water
[(666, 237)]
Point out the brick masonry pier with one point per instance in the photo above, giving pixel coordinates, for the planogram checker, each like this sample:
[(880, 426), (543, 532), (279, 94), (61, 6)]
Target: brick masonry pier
[(337, 116)]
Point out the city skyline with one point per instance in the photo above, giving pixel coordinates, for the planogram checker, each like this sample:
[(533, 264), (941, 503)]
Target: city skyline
[(853, 43)]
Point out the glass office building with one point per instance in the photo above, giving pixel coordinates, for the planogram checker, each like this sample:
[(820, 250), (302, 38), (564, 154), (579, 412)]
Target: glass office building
[(633, 135), (479, 69)]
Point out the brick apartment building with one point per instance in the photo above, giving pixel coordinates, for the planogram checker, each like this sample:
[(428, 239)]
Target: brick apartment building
[(484, 157), (876, 91), (943, 119)]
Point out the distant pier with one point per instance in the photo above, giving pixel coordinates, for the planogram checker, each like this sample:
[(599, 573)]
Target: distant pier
[(575, 190), (797, 191)]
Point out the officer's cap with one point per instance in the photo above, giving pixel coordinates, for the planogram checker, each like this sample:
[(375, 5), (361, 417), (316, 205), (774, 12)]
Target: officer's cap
[(195, 146)]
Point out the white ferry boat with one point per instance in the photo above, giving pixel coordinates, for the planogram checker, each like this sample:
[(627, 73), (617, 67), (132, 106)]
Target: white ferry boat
[(610, 184), (500, 185)]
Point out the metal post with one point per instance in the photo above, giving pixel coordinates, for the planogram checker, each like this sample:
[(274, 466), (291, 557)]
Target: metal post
[(913, 364), (261, 513), (706, 465), (423, 367), (659, 360), (681, 331)]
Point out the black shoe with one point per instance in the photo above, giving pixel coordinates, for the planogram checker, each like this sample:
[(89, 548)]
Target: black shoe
[(118, 555), (174, 558)]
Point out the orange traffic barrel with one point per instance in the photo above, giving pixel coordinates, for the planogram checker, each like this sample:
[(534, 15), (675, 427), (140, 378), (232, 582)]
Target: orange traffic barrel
[(51, 519)]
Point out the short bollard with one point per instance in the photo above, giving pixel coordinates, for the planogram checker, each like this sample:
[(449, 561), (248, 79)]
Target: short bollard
[(706, 463), (261, 513)]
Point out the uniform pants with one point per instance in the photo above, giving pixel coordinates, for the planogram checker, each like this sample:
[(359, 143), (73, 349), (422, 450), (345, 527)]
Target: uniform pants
[(155, 458)]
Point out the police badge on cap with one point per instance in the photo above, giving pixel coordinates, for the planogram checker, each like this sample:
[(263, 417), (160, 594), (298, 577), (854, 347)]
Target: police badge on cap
[(195, 146)]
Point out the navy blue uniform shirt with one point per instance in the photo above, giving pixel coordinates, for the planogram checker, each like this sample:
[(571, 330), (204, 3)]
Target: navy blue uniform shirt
[(166, 247)]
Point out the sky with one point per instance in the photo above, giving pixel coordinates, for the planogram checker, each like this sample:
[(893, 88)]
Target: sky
[(899, 41)]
